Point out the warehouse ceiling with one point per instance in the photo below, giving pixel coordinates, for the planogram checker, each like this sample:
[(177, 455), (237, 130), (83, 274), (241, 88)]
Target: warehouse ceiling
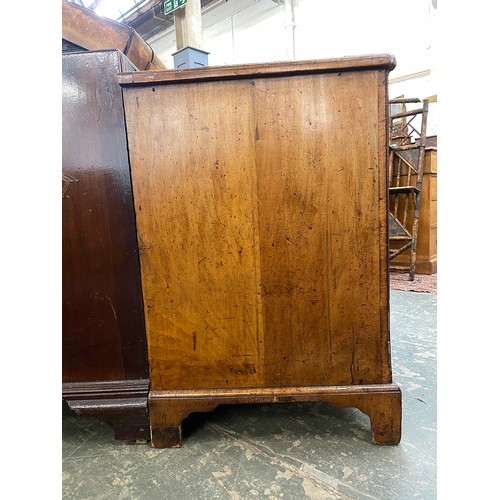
[(145, 16)]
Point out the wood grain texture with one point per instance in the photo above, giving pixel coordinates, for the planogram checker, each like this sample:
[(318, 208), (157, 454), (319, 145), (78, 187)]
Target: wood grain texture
[(188, 26), (320, 248), (381, 402), (261, 207), (244, 71), (103, 335), (259, 230), (196, 205), (382, 343), (85, 28)]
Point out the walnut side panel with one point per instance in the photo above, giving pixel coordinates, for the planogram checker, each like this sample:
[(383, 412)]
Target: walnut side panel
[(383, 345), (262, 231), (261, 202), (318, 171), (193, 167)]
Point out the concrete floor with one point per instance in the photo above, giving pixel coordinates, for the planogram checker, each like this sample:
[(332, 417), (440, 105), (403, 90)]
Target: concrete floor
[(289, 451)]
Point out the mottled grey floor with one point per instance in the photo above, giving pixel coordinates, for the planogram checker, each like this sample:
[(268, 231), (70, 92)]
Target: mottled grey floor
[(289, 451)]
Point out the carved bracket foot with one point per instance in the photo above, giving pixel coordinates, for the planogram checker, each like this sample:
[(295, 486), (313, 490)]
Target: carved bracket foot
[(381, 402)]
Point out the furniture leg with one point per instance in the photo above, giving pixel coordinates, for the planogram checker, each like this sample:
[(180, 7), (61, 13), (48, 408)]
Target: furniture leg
[(381, 402)]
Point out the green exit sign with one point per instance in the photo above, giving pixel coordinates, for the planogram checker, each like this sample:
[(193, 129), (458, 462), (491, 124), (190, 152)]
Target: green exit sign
[(171, 5)]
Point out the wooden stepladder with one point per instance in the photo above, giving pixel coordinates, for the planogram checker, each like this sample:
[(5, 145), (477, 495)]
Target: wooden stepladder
[(407, 141)]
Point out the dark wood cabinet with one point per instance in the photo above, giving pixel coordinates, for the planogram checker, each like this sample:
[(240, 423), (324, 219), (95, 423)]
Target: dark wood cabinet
[(104, 354), (261, 201)]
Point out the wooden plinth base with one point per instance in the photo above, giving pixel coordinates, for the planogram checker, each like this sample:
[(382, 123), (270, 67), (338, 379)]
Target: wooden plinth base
[(381, 402), (121, 402)]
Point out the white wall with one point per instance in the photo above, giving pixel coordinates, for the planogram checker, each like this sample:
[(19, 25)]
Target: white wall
[(248, 31)]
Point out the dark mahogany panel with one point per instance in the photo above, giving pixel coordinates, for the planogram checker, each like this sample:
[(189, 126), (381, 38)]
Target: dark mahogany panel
[(103, 324)]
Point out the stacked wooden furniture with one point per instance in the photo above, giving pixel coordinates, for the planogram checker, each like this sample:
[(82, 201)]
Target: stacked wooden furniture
[(83, 29), (104, 356), (261, 200)]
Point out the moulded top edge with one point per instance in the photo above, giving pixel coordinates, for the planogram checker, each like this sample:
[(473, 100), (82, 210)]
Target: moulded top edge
[(379, 61), (92, 52)]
